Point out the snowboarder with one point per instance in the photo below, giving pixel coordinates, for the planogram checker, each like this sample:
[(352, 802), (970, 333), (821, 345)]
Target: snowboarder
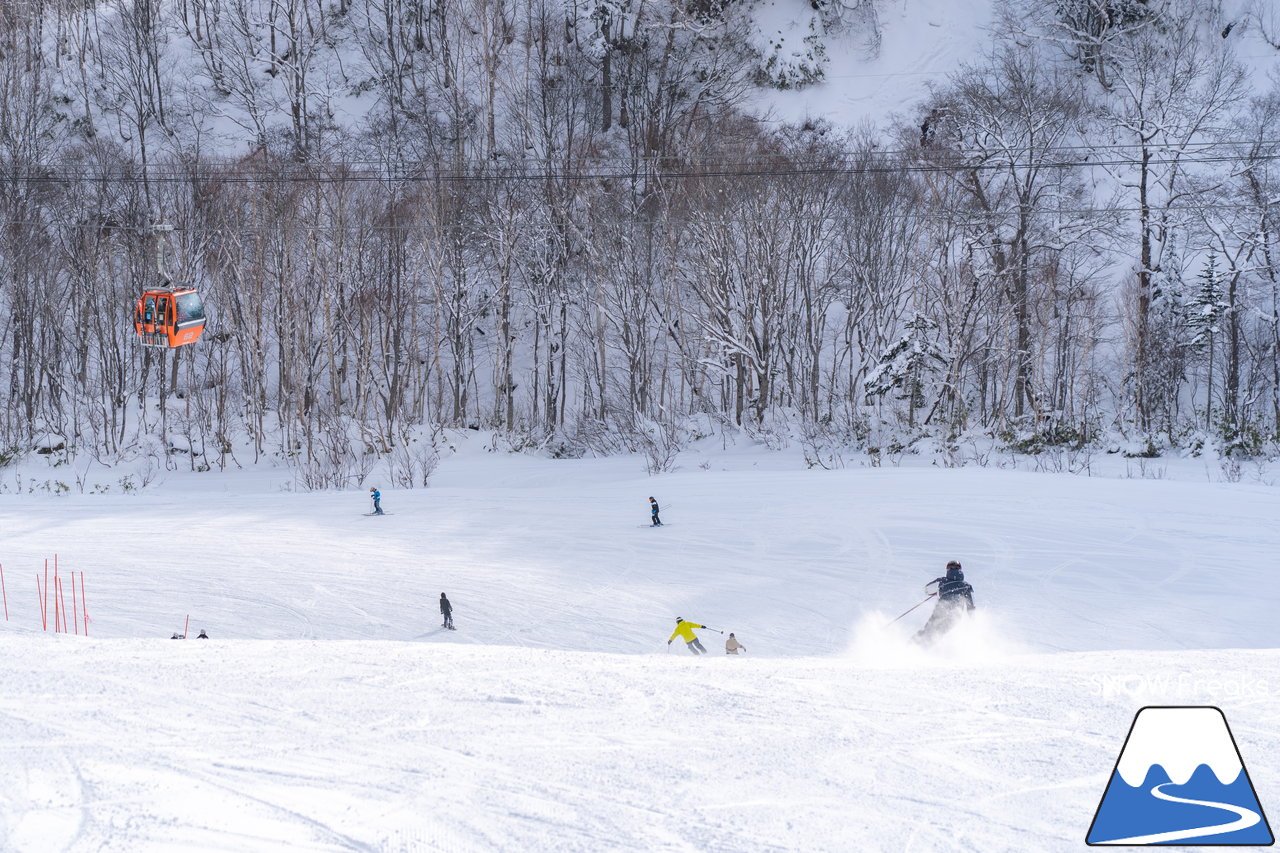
[(446, 610), (377, 500), (653, 511), (684, 630), (955, 598), (732, 645)]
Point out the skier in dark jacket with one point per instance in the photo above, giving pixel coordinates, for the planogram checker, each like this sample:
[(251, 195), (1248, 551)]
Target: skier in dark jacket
[(377, 500), (446, 610), (653, 511), (955, 598)]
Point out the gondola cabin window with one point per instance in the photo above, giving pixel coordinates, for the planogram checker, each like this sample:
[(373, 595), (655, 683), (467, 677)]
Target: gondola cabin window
[(190, 309)]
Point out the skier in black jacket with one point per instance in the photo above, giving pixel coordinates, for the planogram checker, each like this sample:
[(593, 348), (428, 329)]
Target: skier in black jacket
[(955, 598), (446, 610), (653, 511)]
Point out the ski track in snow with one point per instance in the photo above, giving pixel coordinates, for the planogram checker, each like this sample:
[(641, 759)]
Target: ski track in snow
[(330, 712), (348, 745)]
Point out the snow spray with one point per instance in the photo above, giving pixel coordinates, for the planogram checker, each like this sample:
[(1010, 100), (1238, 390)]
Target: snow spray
[(880, 642)]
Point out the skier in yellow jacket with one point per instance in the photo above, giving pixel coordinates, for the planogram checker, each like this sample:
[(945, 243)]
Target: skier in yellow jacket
[(684, 630)]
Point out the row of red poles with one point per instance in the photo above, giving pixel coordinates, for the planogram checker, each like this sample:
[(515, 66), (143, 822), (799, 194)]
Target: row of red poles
[(79, 612)]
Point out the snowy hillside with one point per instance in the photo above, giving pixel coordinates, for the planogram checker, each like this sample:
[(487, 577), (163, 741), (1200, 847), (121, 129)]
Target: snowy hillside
[(612, 227), (882, 65), (888, 55), (330, 712), (558, 554)]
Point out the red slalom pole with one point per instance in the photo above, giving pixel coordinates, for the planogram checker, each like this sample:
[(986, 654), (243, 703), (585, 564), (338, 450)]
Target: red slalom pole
[(5, 593), (45, 617), (75, 609), (185, 625), (40, 601), (84, 608), (61, 602)]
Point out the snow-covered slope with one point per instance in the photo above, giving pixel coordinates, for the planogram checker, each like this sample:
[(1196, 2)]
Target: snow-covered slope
[(882, 64), (883, 61), (558, 554), (330, 712), (151, 746)]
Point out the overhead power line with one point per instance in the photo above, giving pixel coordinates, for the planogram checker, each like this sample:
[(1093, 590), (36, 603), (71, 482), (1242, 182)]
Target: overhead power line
[(417, 223), (289, 174), (762, 158)]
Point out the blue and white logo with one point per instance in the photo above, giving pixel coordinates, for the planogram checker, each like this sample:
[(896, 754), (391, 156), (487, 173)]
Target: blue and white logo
[(1180, 780)]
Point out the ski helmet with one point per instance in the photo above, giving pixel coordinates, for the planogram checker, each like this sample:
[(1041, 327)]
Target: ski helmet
[(678, 619), (954, 564), (651, 497)]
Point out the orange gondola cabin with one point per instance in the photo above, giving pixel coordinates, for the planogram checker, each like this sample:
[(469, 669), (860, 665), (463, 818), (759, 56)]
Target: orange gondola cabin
[(169, 317)]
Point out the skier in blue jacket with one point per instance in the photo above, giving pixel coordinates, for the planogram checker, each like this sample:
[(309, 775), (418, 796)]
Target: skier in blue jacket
[(955, 599), (377, 500)]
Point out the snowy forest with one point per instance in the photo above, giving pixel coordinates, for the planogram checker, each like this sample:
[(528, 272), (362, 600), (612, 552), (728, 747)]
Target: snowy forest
[(571, 222)]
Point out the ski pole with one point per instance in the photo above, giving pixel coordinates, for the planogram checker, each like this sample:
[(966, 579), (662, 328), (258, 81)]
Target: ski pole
[(926, 598)]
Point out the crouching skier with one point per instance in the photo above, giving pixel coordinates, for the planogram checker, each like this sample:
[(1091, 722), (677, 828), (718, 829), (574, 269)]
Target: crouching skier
[(955, 599), (684, 630)]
